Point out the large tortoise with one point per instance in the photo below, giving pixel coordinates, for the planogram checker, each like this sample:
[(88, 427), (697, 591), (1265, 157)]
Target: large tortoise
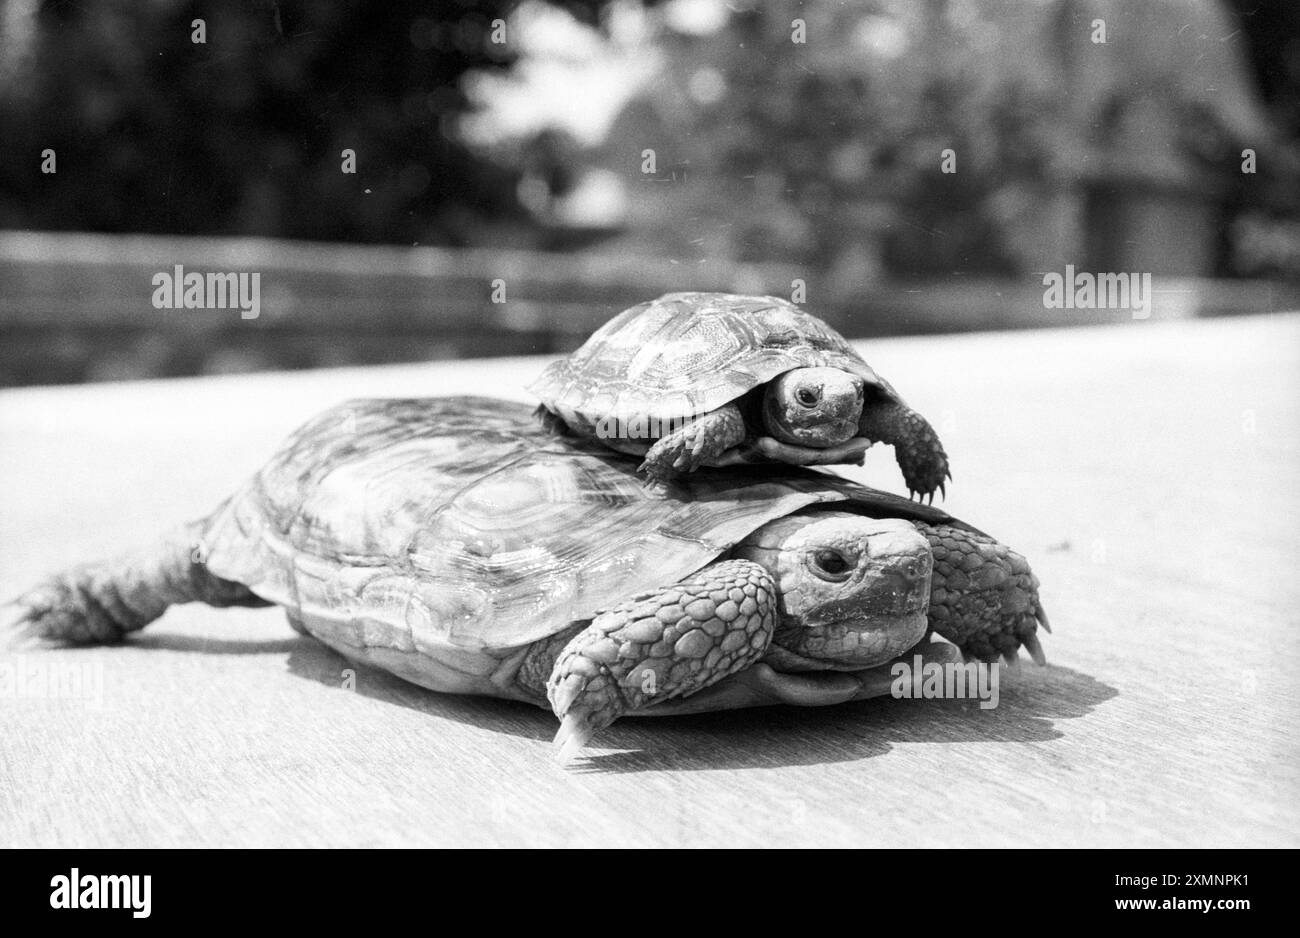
[(458, 545), (694, 379)]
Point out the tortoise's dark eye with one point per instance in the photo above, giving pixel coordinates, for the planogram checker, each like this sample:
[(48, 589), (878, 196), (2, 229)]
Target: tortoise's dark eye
[(807, 396), (831, 564)]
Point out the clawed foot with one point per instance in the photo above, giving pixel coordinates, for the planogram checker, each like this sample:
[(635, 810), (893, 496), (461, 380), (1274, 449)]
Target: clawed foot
[(20, 627), (679, 453), (62, 610), (917, 448), (661, 645), (920, 486), (922, 459), (983, 596), (695, 444)]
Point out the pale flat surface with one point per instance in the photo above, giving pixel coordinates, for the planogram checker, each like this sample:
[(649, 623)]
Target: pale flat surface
[(1149, 471)]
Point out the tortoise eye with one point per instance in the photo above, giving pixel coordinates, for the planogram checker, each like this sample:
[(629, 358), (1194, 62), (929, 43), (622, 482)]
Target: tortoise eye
[(807, 396), (831, 564)]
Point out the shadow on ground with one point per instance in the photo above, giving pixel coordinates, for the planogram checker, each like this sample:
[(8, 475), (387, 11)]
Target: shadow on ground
[(1032, 699), (214, 646)]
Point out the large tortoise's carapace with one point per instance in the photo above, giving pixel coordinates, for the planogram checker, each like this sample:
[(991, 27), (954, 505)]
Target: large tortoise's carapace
[(455, 543)]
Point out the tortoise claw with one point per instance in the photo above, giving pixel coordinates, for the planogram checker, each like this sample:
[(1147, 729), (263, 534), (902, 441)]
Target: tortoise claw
[(655, 487), (573, 735), (19, 629), (1030, 642)]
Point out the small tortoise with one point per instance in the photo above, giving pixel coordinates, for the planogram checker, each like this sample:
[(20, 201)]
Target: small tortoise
[(458, 545), (711, 379)]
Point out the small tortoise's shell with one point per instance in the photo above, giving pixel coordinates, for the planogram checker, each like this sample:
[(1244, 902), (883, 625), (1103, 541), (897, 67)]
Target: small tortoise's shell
[(686, 354), (423, 527)]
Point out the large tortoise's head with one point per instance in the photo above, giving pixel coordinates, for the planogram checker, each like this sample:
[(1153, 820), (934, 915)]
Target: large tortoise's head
[(817, 407), (853, 592)]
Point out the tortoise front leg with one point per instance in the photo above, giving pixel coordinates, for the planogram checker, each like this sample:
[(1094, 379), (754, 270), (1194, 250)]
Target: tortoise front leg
[(660, 645), (983, 596), (917, 448), (700, 441)]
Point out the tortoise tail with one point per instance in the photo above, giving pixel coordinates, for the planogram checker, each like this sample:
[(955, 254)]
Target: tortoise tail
[(550, 421), (101, 602)]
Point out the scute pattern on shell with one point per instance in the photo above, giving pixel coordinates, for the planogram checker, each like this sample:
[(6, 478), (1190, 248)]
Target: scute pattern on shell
[(688, 353), (429, 524)]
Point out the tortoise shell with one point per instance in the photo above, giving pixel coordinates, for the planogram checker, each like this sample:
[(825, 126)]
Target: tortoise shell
[(685, 354), (431, 525)]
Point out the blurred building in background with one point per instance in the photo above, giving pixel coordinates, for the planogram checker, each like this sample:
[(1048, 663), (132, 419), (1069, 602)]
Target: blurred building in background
[(534, 166)]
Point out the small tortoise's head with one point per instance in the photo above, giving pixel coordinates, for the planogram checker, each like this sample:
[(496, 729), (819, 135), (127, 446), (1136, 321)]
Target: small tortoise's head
[(853, 592), (817, 407)]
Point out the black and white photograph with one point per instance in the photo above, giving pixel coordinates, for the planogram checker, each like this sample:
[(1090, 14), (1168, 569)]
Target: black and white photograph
[(650, 424)]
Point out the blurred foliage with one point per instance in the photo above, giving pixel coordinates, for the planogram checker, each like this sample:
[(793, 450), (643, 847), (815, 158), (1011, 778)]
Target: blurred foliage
[(825, 153), (243, 134), (1264, 239), (838, 163), (829, 151), (1273, 29)]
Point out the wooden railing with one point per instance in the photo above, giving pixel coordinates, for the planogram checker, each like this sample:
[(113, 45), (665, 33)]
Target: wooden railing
[(77, 307)]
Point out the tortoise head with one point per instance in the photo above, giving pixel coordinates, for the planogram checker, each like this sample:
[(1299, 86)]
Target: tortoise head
[(817, 407), (853, 592)]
